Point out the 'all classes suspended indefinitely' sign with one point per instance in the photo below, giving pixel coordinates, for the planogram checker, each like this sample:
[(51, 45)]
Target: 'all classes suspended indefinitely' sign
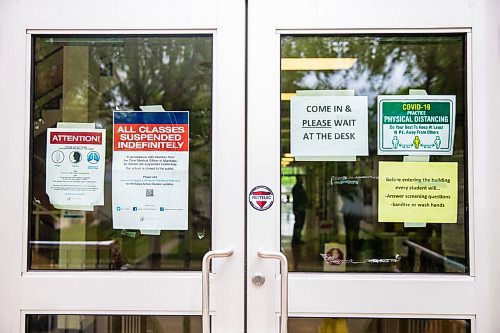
[(416, 125), (150, 170)]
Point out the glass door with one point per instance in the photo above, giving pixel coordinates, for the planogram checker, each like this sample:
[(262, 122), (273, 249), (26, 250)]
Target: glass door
[(367, 210), (127, 185)]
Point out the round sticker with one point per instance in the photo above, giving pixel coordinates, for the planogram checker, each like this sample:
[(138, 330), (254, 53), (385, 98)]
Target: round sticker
[(261, 197)]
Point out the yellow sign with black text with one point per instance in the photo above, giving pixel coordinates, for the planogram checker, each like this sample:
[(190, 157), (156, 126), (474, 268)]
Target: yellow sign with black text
[(418, 192)]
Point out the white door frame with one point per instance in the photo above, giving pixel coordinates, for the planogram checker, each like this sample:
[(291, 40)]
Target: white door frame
[(22, 291), (366, 295), (156, 293)]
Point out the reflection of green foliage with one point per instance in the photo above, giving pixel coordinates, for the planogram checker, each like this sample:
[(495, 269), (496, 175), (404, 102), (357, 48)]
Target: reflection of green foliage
[(386, 65), (173, 72), (125, 73)]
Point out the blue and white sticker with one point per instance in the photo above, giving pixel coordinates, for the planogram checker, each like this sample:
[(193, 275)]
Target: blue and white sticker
[(261, 198)]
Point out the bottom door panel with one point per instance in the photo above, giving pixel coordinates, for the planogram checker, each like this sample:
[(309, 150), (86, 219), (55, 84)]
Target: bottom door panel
[(378, 325), (55, 323)]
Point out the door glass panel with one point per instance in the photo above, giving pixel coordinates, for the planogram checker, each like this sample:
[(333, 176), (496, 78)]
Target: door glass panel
[(83, 79), (332, 218), (377, 325), (112, 324)]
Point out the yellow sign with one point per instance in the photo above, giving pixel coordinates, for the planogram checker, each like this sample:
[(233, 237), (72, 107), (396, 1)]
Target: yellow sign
[(418, 192)]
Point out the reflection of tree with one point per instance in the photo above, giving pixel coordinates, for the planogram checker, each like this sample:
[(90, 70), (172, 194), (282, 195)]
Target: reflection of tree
[(172, 72), (175, 73), (385, 65), (123, 74), (432, 63)]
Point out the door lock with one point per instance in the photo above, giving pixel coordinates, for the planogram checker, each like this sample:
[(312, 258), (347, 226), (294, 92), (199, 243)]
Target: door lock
[(258, 279)]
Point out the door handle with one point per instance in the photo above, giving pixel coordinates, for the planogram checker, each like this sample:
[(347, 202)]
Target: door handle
[(284, 284), (205, 284)]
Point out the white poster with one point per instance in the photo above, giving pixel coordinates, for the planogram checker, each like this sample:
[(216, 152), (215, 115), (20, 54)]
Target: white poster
[(150, 170), (323, 126), (75, 167)]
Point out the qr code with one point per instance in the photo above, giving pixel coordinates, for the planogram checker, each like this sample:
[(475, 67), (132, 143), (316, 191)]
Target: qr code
[(149, 192)]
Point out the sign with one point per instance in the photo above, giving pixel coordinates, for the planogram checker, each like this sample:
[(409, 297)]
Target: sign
[(418, 192), (322, 126), (416, 125), (329, 126), (75, 167), (335, 257), (150, 170), (261, 198)]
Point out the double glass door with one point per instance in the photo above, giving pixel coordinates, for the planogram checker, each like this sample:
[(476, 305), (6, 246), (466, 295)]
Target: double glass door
[(235, 231)]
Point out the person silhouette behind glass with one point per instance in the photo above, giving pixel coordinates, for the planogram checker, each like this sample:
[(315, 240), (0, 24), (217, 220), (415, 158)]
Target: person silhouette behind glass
[(299, 209), (352, 211)]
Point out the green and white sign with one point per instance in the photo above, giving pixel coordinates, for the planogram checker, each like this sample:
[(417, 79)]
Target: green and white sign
[(416, 125)]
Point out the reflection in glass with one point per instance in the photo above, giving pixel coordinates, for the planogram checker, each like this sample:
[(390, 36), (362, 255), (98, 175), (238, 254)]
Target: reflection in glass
[(341, 216), (112, 324), (83, 79), (377, 325)]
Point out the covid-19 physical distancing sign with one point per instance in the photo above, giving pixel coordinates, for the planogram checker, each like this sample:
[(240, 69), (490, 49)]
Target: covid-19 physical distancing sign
[(416, 125)]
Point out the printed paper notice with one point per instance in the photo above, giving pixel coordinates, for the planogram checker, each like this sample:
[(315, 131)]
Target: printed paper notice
[(418, 192), (150, 170), (416, 125), (75, 167), (329, 126)]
